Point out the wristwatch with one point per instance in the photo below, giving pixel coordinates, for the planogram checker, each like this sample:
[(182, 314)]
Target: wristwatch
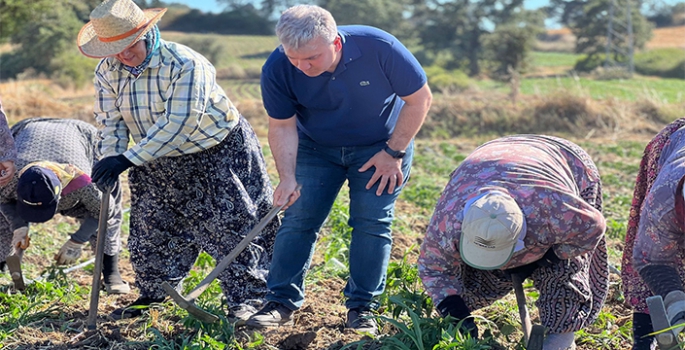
[(393, 153)]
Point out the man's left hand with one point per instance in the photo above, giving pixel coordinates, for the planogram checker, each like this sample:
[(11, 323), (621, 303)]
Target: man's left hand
[(388, 172)]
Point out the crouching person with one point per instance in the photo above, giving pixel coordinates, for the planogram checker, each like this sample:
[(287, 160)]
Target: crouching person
[(654, 251), (55, 158), (527, 205)]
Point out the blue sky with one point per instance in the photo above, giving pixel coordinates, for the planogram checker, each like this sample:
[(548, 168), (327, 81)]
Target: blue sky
[(213, 6)]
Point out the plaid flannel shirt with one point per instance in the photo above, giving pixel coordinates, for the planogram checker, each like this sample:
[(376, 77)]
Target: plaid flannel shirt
[(174, 107)]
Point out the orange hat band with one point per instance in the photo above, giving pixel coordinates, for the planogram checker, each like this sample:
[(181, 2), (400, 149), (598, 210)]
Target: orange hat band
[(124, 35)]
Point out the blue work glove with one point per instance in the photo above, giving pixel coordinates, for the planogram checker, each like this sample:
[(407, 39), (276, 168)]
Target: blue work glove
[(455, 306), (106, 172)]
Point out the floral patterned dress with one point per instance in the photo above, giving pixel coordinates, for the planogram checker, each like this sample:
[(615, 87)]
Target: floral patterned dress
[(557, 186)]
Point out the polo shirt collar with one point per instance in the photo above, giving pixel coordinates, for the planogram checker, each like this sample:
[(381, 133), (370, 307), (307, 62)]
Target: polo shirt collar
[(350, 52)]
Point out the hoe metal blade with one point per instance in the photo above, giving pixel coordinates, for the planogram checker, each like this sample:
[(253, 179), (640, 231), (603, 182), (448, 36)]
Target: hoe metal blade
[(14, 265), (537, 338)]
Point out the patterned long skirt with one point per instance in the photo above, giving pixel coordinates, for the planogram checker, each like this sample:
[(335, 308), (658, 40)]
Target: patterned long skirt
[(203, 201)]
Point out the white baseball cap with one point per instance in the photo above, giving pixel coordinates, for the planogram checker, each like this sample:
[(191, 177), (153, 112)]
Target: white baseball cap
[(491, 228)]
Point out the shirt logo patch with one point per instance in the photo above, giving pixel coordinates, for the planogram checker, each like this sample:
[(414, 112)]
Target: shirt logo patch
[(364, 83)]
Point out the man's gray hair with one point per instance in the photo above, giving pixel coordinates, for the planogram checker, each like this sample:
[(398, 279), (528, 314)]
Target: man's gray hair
[(301, 24)]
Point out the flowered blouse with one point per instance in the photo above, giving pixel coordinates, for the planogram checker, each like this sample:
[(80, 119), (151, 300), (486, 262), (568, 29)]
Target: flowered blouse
[(547, 176)]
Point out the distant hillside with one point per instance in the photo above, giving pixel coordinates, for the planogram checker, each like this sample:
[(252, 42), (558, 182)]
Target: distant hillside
[(563, 40), (668, 37)]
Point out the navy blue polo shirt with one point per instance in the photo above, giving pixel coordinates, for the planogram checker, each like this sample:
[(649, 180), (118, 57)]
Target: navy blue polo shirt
[(357, 104)]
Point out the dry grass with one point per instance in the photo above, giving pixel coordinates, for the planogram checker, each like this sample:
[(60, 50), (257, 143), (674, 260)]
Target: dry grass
[(570, 112), (43, 98), (467, 113)]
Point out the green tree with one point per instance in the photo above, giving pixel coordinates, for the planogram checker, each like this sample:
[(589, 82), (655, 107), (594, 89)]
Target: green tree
[(590, 28), (384, 14), (511, 43), (588, 20), (48, 35), (452, 31), (15, 13)]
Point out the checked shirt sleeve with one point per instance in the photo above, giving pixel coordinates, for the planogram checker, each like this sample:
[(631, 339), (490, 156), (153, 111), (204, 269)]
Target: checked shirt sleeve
[(185, 106), (113, 131)]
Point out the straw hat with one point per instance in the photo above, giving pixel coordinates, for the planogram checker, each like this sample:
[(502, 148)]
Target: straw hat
[(114, 26)]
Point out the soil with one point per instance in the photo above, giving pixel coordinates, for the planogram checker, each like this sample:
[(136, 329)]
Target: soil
[(319, 324)]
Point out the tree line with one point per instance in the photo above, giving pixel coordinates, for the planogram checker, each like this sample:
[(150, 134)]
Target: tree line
[(492, 37)]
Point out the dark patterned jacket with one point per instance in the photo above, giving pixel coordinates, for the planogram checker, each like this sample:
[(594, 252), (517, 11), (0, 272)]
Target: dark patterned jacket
[(7, 150), (63, 141)]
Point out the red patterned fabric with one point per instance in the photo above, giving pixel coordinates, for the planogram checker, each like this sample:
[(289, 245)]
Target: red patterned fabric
[(634, 288)]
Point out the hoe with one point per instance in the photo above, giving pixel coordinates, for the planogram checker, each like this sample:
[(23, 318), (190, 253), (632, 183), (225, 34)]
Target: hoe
[(188, 302), (533, 335)]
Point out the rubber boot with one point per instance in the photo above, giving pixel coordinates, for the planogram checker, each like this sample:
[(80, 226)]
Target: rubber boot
[(114, 284)]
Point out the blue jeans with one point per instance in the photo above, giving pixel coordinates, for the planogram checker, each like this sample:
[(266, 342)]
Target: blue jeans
[(322, 172)]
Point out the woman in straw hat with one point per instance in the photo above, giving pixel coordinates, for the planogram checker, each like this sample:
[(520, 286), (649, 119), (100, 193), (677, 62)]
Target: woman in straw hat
[(528, 205), (198, 178)]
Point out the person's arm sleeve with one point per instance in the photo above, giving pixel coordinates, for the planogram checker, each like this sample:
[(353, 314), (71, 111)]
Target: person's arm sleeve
[(439, 264), (90, 198), (579, 226), (403, 70), (657, 241), (279, 103), (8, 151), (88, 228), (9, 211), (113, 130)]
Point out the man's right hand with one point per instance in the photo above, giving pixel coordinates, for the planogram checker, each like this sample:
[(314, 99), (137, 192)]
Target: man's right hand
[(286, 192)]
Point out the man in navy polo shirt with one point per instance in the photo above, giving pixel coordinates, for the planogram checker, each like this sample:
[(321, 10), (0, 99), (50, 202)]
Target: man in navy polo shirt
[(345, 104)]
